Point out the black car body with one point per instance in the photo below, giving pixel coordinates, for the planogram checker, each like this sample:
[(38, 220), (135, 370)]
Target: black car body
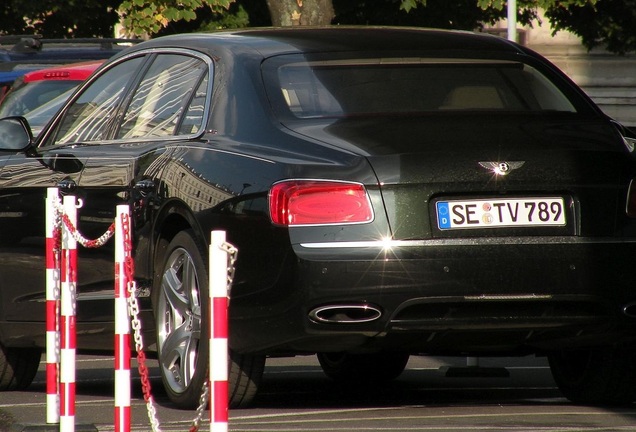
[(390, 191)]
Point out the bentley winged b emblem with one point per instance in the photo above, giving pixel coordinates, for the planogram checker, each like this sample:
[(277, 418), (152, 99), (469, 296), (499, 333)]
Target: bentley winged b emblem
[(502, 168)]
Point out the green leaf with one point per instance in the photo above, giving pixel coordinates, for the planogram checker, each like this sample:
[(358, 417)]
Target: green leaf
[(407, 5), (171, 14), (189, 15)]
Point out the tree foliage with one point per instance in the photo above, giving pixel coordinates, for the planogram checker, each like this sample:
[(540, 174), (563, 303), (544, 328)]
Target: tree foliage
[(148, 17), (543, 4), (241, 13), (57, 19), (455, 14), (608, 23)]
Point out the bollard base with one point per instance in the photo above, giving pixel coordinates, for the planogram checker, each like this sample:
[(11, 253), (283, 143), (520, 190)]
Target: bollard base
[(50, 428)]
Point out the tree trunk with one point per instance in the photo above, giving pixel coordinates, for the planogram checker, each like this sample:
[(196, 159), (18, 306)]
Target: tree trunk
[(300, 12)]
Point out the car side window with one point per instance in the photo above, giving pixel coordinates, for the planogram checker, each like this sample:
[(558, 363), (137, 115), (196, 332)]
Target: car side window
[(193, 119), (90, 116), (170, 88)]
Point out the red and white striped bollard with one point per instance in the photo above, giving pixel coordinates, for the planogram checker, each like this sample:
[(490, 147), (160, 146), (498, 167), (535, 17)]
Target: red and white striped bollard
[(52, 308), (68, 319), (122, 323), (218, 334)]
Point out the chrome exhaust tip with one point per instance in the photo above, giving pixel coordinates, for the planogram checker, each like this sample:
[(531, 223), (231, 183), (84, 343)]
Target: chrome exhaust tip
[(345, 314), (630, 310)]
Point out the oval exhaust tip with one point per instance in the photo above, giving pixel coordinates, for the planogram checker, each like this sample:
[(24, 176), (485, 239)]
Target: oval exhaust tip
[(345, 314), (630, 310)]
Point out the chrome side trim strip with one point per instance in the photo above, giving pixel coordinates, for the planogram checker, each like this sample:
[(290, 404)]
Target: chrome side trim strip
[(389, 244)]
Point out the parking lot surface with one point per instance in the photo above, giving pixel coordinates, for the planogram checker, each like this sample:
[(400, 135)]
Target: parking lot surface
[(296, 396)]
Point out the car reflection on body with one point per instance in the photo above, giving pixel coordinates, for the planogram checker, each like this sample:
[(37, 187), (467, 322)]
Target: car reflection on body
[(391, 192)]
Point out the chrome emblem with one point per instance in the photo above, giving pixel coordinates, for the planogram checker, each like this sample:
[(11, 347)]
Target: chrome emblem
[(501, 168)]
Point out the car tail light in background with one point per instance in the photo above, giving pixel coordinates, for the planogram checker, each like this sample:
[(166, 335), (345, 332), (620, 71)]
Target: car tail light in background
[(57, 74), (318, 202)]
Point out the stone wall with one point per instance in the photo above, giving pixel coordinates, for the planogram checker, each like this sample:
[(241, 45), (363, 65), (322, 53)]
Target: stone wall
[(609, 79)]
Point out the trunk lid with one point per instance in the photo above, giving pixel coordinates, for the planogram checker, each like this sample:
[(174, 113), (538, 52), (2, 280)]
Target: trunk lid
[(421, 160)]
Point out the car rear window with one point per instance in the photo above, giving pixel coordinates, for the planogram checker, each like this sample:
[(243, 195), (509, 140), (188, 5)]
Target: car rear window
[(342, 88)]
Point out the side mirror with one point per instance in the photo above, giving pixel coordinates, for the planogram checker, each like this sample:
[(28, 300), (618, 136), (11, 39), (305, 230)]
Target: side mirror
[(15, 134)]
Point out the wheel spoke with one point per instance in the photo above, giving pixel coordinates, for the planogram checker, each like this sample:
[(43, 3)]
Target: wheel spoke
[(190, 284), (172, 288), (179, 354), (174, 342), (189, 359), (179, 320)]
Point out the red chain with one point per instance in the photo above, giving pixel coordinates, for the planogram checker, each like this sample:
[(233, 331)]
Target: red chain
[(96, 243), (57, 235), (129, 270), (144, 374), (88, 243), (57, 247), (129, 264)]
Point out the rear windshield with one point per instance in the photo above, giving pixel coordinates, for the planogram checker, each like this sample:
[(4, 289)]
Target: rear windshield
[(343, 88)]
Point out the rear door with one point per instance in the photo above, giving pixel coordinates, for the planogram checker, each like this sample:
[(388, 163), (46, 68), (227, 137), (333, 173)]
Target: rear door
[(164, 111), (127, 154)]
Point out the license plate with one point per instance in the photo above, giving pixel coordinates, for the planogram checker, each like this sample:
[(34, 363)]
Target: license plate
[(496, 213)]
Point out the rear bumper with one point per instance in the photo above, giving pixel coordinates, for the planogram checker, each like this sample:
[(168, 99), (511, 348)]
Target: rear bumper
[(502, 295)]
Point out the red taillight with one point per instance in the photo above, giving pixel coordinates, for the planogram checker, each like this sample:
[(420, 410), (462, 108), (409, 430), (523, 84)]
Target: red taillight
[(316, 202)]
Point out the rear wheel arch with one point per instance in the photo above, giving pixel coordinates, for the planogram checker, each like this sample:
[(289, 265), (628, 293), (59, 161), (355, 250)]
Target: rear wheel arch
[(178, 233), (171, 220)]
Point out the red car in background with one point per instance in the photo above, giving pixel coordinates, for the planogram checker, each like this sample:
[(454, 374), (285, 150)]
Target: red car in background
[(38, 87)]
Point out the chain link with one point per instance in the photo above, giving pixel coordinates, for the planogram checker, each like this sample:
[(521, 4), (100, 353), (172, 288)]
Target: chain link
[(57, 282), (135, 323), (203, 403), (133, 304), (232, 254), (61, 217)]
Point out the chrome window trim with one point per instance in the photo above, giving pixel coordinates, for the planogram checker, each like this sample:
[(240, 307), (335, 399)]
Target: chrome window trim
[(141, 53)]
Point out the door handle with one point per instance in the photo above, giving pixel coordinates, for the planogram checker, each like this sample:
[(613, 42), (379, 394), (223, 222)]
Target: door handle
[(67, 185), (145, 186)]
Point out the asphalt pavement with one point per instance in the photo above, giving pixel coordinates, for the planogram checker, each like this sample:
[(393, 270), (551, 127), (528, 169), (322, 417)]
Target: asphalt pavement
[(433, 395)]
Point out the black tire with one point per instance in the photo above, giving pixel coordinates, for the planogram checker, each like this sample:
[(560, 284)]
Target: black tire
[(376, 367), (604, 376), (18, 367), (181, 314), (246, 372)]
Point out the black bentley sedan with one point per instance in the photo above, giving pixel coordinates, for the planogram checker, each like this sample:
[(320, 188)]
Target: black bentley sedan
[(391, 192)]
